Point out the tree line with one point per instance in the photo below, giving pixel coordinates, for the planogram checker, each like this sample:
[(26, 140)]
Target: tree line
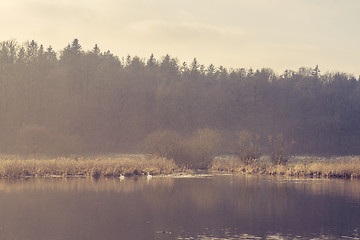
[(93, 101)]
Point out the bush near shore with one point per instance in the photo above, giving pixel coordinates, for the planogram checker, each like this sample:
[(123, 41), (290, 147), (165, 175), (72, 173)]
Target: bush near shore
[(344, 167), (194, 152)]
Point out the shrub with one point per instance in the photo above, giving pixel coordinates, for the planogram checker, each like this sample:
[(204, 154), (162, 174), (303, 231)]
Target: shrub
[(279, 149), (164, 143), (194, 152), (247, 147), (202, 148)]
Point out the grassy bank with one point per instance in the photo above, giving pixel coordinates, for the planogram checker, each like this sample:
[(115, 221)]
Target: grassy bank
[(345, 167), (127, 165), (112, 166)]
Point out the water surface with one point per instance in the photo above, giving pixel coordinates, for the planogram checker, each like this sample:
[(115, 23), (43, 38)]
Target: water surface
[(204, 207)]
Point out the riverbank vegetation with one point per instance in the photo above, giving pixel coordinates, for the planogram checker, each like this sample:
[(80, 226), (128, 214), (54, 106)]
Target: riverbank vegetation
[(78, 102), (194, 152), (15, 167), (334, 167), (102, 166)]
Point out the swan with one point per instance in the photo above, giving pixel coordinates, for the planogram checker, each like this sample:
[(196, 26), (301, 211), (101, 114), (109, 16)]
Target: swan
[(148, 176)]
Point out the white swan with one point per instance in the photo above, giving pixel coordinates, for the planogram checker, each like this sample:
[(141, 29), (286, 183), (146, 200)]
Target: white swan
[(148, 176)]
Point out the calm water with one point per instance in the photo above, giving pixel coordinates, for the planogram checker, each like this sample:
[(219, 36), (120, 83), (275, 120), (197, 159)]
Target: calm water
[(207, 207)]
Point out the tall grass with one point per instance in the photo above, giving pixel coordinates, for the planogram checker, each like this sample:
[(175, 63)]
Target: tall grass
[(115, 166), (347, 167), (13, 167)]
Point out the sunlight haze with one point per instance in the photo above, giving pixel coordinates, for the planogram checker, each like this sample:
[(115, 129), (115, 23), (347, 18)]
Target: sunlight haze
[(278, 34)]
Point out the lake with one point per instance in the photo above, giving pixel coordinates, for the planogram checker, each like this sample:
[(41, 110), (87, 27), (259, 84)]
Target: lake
[(180, 207)]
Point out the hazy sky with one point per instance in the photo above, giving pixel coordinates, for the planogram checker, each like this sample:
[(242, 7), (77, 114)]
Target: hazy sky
[(280, 34)]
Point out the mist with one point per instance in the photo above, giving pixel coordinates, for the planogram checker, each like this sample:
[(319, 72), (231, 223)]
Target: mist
[(92, 101)]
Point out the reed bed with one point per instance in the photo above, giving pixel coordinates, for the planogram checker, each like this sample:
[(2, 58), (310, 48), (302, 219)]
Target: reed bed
[(13, 167), (345, 167), (127, 165)]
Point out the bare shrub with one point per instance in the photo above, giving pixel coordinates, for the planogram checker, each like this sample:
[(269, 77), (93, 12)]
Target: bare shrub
[(247, 147), (196, 152), (201, 148), (164, 143), (279, 149)]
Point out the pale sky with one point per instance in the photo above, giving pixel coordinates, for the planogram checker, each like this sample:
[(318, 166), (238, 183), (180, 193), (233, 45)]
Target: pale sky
[(280, 34)]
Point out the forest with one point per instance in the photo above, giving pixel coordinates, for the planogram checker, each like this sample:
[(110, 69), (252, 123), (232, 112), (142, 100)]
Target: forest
[(91, 101)]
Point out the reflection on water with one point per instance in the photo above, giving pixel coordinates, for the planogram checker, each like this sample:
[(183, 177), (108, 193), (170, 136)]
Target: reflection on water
[(209, 207), (83, 184)]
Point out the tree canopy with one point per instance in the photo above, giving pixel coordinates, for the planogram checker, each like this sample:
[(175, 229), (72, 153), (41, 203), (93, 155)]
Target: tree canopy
[(104, 103)]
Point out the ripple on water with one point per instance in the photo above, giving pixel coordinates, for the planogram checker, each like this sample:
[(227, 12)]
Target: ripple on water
[(276, 236), (193, 175)]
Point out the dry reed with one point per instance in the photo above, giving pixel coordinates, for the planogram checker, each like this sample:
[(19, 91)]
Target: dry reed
[(346, 167), (126, 165), (113, 166)]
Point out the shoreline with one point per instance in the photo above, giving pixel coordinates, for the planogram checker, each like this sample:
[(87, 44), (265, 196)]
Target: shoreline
[(312, 167), (107, 166), (15, 167)]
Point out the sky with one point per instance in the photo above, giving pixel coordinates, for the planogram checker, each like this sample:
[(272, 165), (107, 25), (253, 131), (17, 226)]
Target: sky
[(277, 34)]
